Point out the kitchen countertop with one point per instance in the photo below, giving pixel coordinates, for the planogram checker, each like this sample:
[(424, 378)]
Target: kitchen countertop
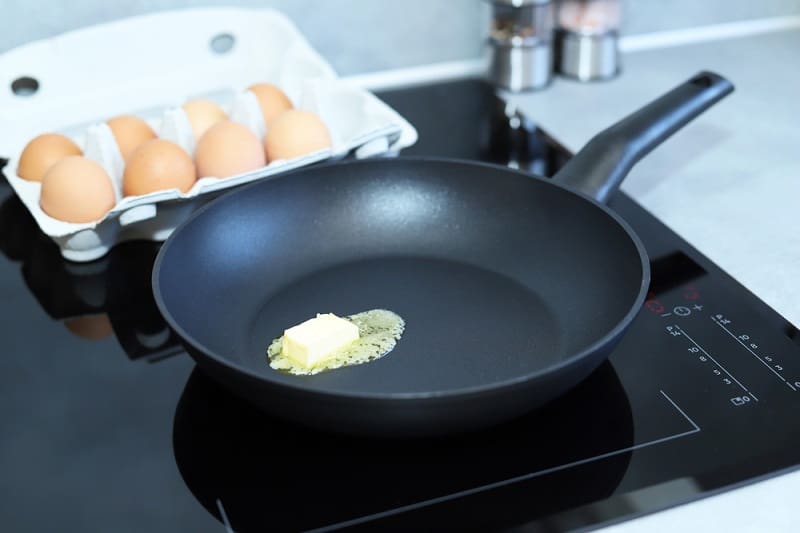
[(728, 184)]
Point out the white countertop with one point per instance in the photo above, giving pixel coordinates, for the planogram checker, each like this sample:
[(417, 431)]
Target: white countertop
[(729, 183)]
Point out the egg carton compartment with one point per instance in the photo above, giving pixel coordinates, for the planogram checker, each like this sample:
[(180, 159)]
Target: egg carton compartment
[(268, 48)]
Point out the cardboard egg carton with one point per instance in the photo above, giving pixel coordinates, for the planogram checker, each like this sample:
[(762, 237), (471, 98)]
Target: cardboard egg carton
[(82, 82)]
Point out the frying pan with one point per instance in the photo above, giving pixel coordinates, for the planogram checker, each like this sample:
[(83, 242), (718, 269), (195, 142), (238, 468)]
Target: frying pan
[(514, 288)]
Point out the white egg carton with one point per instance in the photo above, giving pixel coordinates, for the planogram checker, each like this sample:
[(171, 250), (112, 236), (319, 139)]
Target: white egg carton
[(82, 81)]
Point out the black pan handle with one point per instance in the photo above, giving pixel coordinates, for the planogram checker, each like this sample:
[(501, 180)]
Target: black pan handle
[(599, 167)]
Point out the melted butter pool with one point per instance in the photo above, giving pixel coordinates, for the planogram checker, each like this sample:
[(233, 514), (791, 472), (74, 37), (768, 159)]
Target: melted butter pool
[(378, 329)]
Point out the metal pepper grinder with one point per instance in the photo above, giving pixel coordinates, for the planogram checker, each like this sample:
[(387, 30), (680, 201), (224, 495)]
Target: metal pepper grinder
[(521, 44)]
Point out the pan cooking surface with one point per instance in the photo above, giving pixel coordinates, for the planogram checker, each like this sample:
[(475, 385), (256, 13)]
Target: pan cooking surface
[(465, 325), (271, 254), (498, 276)]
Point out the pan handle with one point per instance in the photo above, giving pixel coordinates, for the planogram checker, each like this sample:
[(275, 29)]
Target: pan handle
[(599, 167)]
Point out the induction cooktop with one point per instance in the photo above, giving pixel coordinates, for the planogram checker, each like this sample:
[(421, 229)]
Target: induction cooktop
[(698, 397)]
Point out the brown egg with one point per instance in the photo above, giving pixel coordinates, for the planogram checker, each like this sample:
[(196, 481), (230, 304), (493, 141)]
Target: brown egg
[(227, 149), (77, 189), (90, 327), (130, 132), (158, 165), (202, 114), (295, 133), (42, 153), (271, 99)]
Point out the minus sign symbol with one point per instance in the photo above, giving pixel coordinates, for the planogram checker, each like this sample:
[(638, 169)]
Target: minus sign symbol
[(666, 314)]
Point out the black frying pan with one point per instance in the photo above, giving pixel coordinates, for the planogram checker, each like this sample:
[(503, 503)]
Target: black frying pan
[(513, 288)]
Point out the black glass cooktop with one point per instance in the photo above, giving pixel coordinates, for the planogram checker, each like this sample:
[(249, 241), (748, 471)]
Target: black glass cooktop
[(106, 425)]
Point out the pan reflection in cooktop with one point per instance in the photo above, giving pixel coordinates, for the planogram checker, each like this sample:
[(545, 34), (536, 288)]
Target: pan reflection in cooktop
[(270, 474)]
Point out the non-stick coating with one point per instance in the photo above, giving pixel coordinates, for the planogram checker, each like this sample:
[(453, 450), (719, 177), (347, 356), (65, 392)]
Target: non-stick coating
[(502, 279)]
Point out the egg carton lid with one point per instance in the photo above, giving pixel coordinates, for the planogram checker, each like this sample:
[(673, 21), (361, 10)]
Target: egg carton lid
[(70, 81)]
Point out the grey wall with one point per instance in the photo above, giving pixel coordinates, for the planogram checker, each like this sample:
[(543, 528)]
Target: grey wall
[(645, 16), (355, 35), (368, 35)]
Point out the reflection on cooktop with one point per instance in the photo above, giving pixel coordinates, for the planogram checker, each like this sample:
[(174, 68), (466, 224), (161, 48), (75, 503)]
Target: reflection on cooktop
[(270, 474), (672, 270), (94, 300)]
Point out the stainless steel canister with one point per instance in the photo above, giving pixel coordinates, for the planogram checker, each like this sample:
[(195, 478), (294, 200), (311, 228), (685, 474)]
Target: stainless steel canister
[(521, 44), (587, 39)]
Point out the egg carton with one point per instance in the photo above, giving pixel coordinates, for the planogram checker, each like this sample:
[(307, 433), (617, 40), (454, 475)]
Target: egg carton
[(79, 83)]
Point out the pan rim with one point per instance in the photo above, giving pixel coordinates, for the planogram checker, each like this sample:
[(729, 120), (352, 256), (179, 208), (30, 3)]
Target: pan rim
[(616, 331)]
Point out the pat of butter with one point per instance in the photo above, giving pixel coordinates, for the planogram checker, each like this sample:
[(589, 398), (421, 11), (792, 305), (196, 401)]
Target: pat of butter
[(314, 340)]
